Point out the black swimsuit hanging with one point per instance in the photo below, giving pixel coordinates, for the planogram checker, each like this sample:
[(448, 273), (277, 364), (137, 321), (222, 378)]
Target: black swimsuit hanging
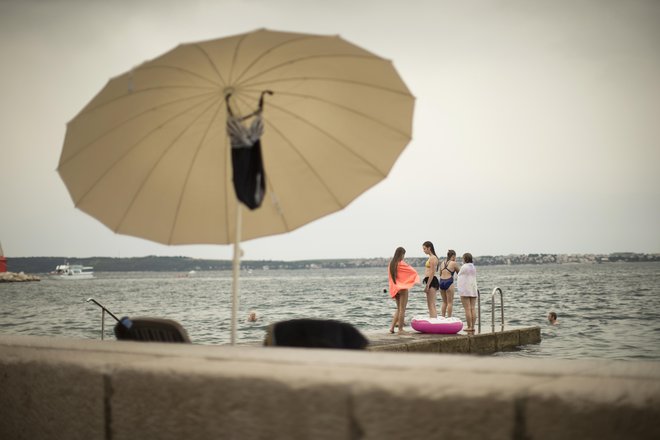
[(247, 164)]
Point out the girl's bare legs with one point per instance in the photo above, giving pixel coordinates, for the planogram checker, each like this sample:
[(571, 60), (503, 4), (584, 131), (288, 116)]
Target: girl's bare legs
[(443, 307), (450, 301), (468, 312), (403, 302), (431, 297), (473, 302), (395, 318)]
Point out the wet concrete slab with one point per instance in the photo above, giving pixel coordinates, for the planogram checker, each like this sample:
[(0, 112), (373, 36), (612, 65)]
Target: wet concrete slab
[(485, 342)]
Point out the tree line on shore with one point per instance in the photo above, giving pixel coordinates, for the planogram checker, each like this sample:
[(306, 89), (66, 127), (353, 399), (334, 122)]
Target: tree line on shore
[(186, 264)]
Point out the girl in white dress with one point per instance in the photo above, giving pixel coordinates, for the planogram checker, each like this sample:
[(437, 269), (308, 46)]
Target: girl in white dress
[(468, 290)]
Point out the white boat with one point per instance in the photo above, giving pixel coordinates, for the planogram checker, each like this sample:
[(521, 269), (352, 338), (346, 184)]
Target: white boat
[(73, 272)]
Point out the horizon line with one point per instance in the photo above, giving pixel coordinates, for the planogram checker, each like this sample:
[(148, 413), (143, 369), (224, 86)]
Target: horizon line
[(352, 258)]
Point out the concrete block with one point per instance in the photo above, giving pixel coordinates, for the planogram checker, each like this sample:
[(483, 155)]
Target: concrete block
[(459, 344), (530, 335), (489, 342), (639, 369), (594, 407), (438, 405), (507, 340), (380, 415), (426, 346), (204, 400), (54, 388), (46, 400), (400, 347), (483, 344)]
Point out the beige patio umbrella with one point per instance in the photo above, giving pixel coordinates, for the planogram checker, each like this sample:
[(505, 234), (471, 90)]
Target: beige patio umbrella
[(149, 155)]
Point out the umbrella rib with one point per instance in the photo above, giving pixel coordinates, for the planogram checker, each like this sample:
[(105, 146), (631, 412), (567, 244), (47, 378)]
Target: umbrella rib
[(276, 202), (128, 151), (233, 61), (189, 72), (329, 79), (146, 178), (192, 162), (228, 196), (149, 89), (330, 136), (208, 58), (273, 48), (350, 110), (304, 159), (305, 58), (122, 123)]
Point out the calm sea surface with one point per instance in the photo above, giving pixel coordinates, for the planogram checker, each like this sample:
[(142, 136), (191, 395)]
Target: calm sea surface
[(609, 310)]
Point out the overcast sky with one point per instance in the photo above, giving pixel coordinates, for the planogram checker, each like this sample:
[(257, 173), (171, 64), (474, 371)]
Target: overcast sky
[(536, 130)]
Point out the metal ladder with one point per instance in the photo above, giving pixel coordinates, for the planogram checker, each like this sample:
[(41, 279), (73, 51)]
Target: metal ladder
[(103, 312), (492, 308)]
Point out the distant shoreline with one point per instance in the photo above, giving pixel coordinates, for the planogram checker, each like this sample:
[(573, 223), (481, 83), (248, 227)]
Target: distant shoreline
[(41, 265)]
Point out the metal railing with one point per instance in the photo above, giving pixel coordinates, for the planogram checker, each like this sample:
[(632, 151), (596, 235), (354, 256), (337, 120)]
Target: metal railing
[(492, 308), (479, 308), (103, 312)]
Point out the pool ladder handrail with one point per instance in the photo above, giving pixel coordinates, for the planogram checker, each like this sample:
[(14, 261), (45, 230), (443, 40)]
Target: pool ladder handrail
[(103, 312), (496, 290)]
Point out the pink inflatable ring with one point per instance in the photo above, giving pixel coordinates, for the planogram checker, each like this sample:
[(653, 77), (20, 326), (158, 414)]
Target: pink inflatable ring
[(439, 325)]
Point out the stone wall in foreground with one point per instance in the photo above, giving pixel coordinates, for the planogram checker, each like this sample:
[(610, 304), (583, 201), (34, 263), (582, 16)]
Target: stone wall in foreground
[(84, 389)]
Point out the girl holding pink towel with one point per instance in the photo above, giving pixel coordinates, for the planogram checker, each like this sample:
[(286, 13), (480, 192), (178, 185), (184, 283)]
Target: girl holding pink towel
[(401, 278)]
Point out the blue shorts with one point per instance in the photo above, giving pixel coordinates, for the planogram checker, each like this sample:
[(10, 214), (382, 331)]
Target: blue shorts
[(446, 283)]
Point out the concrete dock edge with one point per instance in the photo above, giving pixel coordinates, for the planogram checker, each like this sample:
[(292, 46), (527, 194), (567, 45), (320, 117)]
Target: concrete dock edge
[(487, 342), (66, 388)]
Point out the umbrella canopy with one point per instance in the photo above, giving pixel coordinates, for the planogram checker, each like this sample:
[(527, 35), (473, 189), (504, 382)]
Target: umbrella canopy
[(150, 157)]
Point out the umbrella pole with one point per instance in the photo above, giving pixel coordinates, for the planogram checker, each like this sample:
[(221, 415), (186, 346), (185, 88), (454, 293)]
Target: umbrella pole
[(236, 270)]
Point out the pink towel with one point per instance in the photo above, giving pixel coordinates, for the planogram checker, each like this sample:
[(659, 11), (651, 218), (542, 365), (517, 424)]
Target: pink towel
[(406, 277)]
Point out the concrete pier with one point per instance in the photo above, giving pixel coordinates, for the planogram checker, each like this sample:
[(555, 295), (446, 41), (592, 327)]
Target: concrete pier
[(87, 389), (486, 342), (12, 277)]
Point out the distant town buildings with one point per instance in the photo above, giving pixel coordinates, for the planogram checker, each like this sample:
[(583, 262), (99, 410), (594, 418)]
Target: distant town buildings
[(484, 260)]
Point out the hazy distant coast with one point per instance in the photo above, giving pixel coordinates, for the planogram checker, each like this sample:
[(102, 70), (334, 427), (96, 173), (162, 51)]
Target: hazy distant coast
[(184, 264)]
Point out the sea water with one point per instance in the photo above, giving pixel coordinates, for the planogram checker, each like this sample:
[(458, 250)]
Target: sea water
[(609, 310)]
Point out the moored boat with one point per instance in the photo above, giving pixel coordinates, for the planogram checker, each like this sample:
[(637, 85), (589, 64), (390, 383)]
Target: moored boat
[(73, 272)]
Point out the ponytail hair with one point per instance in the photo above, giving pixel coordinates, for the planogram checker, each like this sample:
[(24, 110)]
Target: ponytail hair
[(429, 245), (450, 253), (394, 262)]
